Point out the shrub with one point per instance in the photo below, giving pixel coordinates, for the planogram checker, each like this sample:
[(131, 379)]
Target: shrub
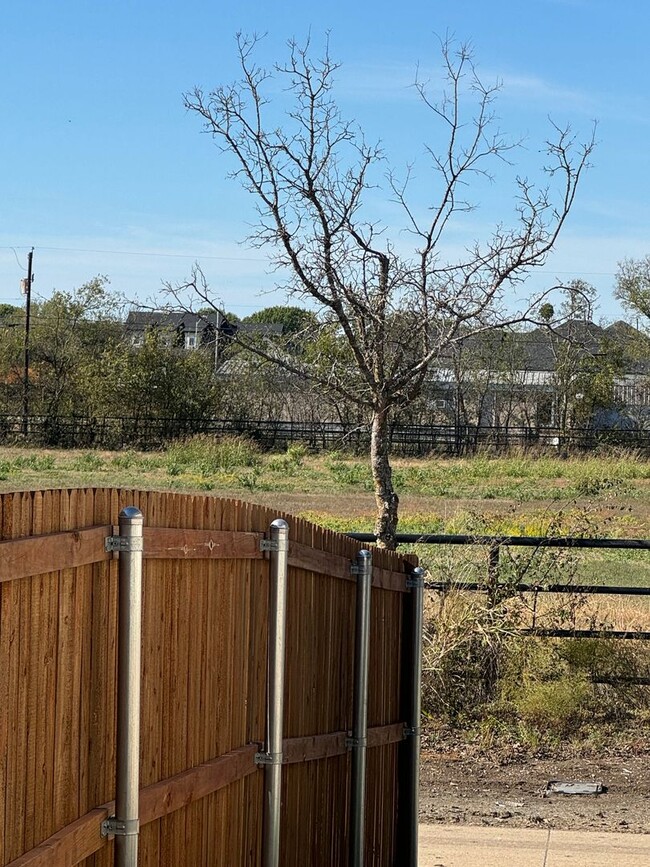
[(555, 707)]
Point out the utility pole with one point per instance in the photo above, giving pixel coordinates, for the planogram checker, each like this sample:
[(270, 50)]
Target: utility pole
[(28, 303), (217, 334)]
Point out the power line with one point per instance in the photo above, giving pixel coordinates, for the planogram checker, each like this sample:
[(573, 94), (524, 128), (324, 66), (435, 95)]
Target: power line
[(231, 258), (13, 250), (146, 253)]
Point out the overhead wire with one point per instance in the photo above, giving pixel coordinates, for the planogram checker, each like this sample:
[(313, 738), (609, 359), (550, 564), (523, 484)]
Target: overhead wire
[(198, 256), (157, 255)]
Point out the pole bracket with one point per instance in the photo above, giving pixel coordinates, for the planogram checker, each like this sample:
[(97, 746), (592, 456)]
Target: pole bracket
[(352, 742), (263, 758), (413, 582), (113, 827), (412, 731), (124, 544), (267, 545)]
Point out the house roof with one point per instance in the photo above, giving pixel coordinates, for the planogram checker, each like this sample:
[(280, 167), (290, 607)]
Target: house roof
[(537, 350), (141, 320)]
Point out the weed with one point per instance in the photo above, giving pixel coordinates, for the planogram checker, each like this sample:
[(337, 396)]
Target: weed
[(351, 475), (125, 461), (250, 480), (291, 461), (37, 462), (89, 462), (556, 706), (207, 456)]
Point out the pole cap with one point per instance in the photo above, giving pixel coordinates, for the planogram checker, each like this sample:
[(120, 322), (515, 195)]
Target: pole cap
[(132, 515)]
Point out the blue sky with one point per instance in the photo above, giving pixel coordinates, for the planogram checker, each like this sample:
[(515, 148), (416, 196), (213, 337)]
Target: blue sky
[(103, 171)]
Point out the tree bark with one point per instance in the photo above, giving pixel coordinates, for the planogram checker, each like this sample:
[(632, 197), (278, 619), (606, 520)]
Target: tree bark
[(382, 476)]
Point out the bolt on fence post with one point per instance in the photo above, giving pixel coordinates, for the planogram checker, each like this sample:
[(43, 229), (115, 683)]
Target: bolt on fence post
[(126, 824), (272, 758), (359, 741), (413, 730)]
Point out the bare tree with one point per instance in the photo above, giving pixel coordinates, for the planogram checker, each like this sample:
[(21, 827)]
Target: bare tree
[(396, 311)]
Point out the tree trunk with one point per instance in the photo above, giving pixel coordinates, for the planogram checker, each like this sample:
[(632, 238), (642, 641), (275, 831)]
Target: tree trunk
[(382, 476)]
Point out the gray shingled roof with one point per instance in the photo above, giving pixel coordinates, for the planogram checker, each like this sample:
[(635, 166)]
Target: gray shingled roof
[(141, 320)]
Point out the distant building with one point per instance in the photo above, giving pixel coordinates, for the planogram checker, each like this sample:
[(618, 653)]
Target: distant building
[(188, 330)]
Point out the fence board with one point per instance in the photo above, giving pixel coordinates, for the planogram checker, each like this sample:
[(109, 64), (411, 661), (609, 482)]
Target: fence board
[(51, 553), (171, 543)]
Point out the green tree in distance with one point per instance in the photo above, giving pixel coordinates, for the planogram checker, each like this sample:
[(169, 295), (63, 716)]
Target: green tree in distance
[(633, 286)]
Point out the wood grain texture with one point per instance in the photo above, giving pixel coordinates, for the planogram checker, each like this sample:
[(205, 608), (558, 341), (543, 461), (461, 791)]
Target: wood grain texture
[(334, 743), (22, 558), (198, 544)]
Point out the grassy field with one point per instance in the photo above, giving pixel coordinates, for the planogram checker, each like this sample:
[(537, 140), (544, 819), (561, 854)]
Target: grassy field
[(514, 495), (518, 495), (599, 496)]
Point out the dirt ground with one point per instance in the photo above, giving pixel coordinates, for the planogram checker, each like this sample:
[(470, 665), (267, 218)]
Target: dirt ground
[(465, 787)]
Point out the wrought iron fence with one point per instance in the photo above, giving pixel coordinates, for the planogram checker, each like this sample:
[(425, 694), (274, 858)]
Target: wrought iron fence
[(417, 440)]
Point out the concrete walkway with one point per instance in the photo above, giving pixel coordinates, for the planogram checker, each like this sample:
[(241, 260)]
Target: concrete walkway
[(474, 846)]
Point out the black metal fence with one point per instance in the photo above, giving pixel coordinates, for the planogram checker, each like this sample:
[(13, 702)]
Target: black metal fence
[(493, 586), (417, 440)]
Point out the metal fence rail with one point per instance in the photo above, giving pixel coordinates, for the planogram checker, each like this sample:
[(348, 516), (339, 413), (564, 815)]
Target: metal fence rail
[(415, 439), (493, 586), (511, 541)]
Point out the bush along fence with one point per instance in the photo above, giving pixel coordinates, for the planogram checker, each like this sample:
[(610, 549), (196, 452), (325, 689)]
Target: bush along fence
[(202, 685)]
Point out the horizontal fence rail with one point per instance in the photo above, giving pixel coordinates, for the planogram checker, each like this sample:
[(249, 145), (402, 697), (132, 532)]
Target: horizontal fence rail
[(512, 541), (493, 586), (596, 589)]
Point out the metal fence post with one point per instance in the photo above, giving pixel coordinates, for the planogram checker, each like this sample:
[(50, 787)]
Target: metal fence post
[(125, 825), (278, 546), (493, 573), (413, 730), (358, 742)]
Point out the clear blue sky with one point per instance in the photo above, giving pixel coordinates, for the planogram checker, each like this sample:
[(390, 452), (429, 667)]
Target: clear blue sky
[(102, 171)]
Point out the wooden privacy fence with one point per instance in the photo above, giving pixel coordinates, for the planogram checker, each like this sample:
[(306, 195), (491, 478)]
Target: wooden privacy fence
[(204, 683)]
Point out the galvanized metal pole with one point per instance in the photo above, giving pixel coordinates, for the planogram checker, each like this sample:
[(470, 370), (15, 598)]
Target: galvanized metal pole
[(272, 758), (358, 743), (28, 307), (125, 825), (413, 730)]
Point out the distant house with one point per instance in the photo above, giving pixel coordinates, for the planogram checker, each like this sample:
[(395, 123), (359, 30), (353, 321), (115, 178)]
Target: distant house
[(188, 330), (529, 376), (182, 329)]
